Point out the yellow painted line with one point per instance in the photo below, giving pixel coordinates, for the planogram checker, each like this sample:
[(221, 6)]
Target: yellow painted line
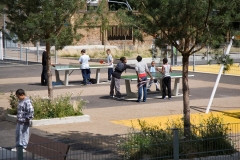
[(212, 68), (230, 116)]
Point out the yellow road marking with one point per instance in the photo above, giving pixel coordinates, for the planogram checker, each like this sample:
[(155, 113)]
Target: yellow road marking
[(230, 116), (213, 68)]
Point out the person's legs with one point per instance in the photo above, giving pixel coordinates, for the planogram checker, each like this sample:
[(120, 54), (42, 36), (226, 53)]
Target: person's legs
[(44, 75), (144, 89), (163, 87), (117, 87), (22, 134), (168, 84), (150, 84), (110, 71), (88, 74), (140, 88), (156, 84), (112, 85), (84, 75)]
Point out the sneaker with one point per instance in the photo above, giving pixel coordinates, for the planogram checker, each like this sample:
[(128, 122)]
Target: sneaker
[(138, 101), (148, 90), (163, 97), (157, 89), (120, 98), (111, 97), (109, 80)]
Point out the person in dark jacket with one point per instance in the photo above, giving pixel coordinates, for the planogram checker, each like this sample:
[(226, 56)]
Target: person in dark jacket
[(44, 77), (116, 76)]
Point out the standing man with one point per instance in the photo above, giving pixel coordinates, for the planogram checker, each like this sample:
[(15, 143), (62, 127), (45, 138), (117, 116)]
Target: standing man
[(83, 60), (166, 81), (142, 71), (44, 77), (25, 113), (116, 76), (110, 63)]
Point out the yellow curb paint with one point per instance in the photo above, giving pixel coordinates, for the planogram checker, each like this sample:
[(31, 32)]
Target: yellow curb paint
[(213, 68), (230, 116)]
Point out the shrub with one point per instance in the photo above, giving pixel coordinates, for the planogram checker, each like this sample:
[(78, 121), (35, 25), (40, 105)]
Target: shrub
[(209, 138), (13, 101), (62, 106)]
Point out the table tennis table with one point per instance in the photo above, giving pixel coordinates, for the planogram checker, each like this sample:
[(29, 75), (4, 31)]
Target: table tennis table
[(72, 67), (175, 76)]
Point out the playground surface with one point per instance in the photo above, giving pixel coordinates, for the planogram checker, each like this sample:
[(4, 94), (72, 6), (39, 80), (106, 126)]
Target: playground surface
[(109, 116)]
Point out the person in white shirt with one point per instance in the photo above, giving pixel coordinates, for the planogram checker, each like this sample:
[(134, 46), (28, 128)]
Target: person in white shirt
[(142, 71), (110, 63), (83, 60), (166, 81), (152, 70)]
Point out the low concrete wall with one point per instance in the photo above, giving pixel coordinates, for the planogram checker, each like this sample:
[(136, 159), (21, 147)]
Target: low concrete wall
[(52, 121)]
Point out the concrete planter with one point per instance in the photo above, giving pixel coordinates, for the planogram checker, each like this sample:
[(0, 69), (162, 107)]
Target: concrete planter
[(52, 121)]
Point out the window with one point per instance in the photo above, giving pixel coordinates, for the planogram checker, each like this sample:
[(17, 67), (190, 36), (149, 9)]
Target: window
[(119, 33), (115, 5), (92, 4)]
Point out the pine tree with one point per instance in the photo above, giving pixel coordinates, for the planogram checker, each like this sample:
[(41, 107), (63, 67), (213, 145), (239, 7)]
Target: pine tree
[(52, 21), (188, 25)]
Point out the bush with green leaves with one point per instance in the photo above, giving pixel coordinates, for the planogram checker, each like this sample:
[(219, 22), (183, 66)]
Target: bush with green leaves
[(13, 101), (208, 139), (62, 106)]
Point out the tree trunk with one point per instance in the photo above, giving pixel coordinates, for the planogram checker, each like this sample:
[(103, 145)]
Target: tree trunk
[(185, 88), (49, 71)]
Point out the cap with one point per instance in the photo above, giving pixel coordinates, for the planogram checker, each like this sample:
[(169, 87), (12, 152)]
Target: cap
[(83, 50)]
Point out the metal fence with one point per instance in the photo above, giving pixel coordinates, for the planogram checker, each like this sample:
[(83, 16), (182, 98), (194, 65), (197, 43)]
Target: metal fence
[(208, 143), (24, 56)]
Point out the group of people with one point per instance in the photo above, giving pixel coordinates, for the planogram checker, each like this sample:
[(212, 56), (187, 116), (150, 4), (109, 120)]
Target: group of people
[(141, 68), (142, 71), (114, 75)]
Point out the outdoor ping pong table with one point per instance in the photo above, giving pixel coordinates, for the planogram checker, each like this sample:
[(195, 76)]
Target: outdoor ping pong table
[(72, 67), (175, 76)]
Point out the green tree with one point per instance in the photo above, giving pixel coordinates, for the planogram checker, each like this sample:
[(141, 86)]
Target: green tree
[(53, 21), (188, 25)]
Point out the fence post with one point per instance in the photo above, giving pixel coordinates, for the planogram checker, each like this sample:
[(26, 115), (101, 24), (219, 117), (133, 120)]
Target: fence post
[(19, 153), (37, 45), (175, 144), (26, 57), (1, 46)]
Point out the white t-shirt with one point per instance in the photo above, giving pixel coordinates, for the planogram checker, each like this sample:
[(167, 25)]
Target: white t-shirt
[(110, 59), (84, 61)]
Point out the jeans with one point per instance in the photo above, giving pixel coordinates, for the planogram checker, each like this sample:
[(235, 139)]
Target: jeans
[(86, 75), (44, 75), (110, 71), (142, 86)]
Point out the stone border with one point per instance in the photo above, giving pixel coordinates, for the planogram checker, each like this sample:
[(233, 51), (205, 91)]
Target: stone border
[(52, 121)]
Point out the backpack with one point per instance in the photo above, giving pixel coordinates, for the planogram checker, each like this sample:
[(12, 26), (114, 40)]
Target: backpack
[(120, 67), (92, 81)]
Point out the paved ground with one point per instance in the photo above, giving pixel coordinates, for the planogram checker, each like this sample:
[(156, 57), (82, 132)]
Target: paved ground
[(102, 110)]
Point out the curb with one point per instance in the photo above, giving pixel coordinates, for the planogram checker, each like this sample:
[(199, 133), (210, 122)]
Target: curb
[(52, 121)]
